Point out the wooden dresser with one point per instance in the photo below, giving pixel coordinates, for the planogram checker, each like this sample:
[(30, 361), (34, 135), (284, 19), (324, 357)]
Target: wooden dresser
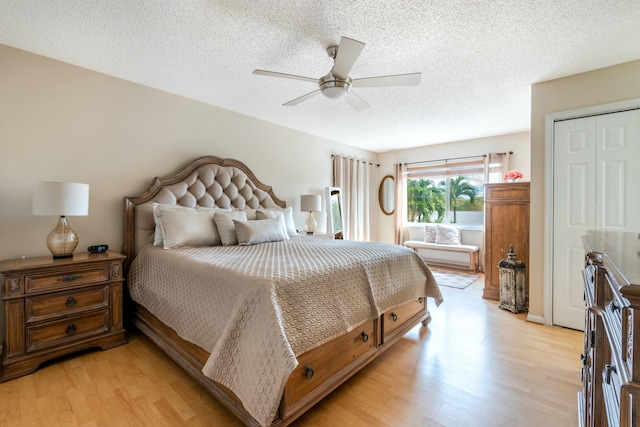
[(56, 307), (506, 221), (610, 393)]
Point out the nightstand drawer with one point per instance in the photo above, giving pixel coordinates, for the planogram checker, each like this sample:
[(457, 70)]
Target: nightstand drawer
[(47, 307), (61, 280), (74, 328)]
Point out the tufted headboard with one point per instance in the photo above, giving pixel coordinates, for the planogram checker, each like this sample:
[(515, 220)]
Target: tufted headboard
[(207, 182)]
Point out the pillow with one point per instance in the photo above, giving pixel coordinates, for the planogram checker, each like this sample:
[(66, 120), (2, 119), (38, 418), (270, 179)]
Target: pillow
[(288, 219), (448, 235), (430, 232), (251, 213), (226, 228), (182, 226), (260, 215), (259, 231)]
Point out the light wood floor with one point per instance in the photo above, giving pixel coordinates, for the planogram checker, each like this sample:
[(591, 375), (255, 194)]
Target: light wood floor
[(475, 365)]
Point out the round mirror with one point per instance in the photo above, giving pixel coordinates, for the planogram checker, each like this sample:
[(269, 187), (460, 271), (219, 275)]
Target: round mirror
[(386, 195)]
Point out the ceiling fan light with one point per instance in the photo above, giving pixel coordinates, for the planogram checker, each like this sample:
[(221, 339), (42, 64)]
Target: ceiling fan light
[(333, 87), (335, 92)]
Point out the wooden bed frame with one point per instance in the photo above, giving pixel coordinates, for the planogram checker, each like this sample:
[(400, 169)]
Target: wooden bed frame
[(321, 370)]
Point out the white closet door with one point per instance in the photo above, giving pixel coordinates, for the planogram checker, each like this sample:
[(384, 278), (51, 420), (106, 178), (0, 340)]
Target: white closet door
[(574, 203), (596, 187), (618, 180)]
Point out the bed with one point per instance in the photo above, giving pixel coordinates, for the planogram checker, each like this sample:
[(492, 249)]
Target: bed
[(269, 322)]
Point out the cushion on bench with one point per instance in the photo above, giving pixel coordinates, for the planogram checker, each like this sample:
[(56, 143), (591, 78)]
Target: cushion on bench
[(472, 250), (413, 244)]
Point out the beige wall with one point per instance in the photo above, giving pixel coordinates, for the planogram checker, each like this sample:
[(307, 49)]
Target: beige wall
[(607, 85), (519, 143), (59, 122)]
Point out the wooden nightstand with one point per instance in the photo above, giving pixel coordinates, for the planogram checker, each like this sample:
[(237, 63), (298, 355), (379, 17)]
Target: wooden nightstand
[(317, 234), (56, 307)]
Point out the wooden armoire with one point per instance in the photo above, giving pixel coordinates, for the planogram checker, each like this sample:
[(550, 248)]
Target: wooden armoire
[(506, 221)]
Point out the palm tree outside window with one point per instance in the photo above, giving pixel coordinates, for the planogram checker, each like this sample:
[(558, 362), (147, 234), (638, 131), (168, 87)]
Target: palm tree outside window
[(446, 192)]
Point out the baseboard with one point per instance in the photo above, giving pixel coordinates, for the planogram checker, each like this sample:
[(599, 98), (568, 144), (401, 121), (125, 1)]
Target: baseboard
[(535, 319)]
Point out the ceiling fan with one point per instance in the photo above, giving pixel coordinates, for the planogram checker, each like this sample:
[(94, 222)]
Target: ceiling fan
[(337, 84)]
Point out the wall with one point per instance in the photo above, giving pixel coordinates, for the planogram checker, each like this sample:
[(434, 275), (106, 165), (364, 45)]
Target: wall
[(603, 86), (59, 122), (519, 143)]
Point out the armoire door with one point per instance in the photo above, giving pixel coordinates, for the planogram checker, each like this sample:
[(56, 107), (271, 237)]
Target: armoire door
[(595, 184)]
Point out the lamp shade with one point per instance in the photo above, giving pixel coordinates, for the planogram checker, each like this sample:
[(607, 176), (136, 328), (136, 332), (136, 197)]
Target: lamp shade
[(311, 203), (60, 199)]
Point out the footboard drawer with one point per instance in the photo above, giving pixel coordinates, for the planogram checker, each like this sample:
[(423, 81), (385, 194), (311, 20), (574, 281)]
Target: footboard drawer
[(318, 366), (394, 319)]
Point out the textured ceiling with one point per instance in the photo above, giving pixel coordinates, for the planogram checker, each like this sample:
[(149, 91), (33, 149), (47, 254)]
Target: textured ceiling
[(478, 58)]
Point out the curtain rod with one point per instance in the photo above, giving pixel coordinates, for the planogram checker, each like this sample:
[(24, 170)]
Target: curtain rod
[(455, 158), (348, 158)]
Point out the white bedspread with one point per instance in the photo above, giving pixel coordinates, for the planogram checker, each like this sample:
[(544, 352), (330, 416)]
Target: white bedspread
[(256, 307)]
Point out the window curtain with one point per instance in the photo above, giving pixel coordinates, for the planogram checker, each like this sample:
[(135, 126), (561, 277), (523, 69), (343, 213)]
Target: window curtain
[(357, 180), (400, 201), (496, 165)]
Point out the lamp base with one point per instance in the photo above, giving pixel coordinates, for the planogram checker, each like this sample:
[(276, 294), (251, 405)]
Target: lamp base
[(62, 240), (310, 224)]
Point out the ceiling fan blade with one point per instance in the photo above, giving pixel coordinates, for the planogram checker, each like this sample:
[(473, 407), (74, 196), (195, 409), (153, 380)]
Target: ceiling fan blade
[(301, 98), (348, 52), (285, 76), (356, 102), (412, 79)]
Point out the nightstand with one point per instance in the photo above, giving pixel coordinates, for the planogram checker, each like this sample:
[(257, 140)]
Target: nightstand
[(317, 234), (54, 307)]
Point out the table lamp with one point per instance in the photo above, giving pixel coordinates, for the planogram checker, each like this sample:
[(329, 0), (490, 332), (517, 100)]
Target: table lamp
[(310, 203), (63, 199)]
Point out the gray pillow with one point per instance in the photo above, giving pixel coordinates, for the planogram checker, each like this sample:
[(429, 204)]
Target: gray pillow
[(288, 219), (182, 226), (226, 227), (259, 231), (274, 214)]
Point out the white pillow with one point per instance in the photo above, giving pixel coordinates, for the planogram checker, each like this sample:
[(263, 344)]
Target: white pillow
[(182, 226), (260, 215), (260, 231), (251, 213), (288, 219), (226, 228), (430, 232), (448, 235)]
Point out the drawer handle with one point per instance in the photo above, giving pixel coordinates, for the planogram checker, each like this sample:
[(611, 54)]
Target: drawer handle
[(69, 278), (607, 372), (614, 306), (308, 372), (70, 302), (364, 336), (585, 359), (394, 317), (71, 329), (420, 300)]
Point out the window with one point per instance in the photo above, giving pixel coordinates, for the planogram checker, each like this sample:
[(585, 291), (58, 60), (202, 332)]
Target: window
[(446, 192)]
